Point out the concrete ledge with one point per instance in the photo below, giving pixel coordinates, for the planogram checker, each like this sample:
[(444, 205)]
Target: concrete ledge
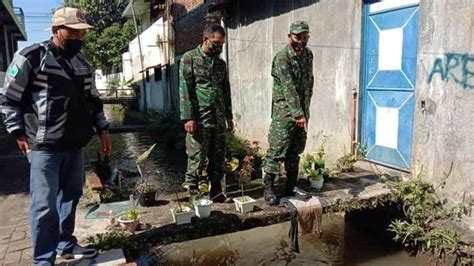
[(368, 166), (109, 258), (353, 191)]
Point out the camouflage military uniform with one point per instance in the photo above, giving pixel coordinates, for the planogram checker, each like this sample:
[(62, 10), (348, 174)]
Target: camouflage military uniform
[(205, 97), (292, 90)]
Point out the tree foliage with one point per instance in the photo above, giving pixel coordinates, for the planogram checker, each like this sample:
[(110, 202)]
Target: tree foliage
[(105, 45)]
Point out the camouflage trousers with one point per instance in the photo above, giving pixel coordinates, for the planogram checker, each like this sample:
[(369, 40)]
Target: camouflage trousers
[(206, 151), (286, 142)]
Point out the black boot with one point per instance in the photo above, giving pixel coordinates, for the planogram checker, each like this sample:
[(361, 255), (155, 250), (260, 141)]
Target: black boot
[(269, 193), (290, 183), (215, 193), (193, 193)]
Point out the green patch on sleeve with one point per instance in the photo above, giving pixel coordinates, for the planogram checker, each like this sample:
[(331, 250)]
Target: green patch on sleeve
[(12, 71)]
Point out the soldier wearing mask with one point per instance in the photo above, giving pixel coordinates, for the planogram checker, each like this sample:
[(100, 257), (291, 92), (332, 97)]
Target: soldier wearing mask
[(292, 72), (206, 111), (50, 104)]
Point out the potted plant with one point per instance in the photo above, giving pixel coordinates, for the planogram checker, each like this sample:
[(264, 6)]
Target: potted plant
[(319, 158), (130, 220), (245, 203), (316, 179), (202, 206), (181, 214), (312, 173), (146, 192)]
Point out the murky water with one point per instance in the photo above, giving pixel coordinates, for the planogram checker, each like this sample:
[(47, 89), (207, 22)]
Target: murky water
[(170, 161), (341, 244)]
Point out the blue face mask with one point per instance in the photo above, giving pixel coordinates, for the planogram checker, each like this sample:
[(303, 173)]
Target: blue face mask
[(214, 49)]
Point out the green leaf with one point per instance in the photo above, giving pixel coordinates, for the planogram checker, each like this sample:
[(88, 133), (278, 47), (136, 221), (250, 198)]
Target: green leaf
[(144, 156), (204, 187), (234, 164)]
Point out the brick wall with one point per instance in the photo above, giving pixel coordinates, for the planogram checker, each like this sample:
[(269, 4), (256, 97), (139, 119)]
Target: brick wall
[(182, 7), (188, 32), (188, 28), (190, 18)]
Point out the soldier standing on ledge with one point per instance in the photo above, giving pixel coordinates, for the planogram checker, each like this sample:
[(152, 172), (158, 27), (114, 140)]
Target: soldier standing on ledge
[(292, 72), (206, 110)]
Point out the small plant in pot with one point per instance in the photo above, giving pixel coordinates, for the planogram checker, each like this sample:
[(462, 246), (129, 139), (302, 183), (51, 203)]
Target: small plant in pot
[(182, 214), (146, 195), (202, 206), (319, 158), (130, 220), (145, 191), (313, 174), (245, 203)]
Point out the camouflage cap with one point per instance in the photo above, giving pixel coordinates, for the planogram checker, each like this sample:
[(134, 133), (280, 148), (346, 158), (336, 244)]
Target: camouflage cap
[(298, 27)]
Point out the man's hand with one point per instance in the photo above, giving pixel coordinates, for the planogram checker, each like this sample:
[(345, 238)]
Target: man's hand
[(105, 143), (22, 143), (301, 122), (190, 126), (230, 125)]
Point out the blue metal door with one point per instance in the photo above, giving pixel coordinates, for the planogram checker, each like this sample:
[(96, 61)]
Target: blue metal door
[(389, 76)]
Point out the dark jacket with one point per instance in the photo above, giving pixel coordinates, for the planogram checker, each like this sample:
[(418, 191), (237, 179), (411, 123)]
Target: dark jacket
[(55, 106)]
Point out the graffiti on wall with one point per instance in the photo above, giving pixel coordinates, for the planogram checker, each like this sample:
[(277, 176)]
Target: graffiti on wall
[(455, 67)]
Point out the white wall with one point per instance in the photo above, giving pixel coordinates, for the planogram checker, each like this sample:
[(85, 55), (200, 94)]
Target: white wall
[(153, 54), (259, 31)]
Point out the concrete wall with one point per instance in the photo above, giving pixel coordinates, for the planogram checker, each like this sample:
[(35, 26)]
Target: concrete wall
[(102, 80), (444, 128), (127, 69), (153, 54), (258, 30)]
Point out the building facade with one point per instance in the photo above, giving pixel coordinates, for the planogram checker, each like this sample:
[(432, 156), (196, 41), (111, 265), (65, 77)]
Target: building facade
[(12, 30), (396, 76)]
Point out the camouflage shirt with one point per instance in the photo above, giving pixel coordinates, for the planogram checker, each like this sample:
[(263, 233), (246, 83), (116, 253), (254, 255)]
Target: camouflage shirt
[(204, 89), (292, 83)]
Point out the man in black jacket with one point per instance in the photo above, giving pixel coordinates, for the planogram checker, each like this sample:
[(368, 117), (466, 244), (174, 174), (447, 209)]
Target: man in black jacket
[(50, 104)]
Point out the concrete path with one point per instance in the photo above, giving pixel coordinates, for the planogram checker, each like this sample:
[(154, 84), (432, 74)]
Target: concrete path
[(15, 236), (15, 239)]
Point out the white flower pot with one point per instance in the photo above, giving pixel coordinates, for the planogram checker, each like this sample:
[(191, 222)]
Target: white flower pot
[(129, 225), (183, 217), (203, 208), (316, 184), (244, 204)]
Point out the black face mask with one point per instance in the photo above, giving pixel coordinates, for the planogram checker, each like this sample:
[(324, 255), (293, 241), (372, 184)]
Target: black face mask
[(71, 48), (214, 49), (298, 46)]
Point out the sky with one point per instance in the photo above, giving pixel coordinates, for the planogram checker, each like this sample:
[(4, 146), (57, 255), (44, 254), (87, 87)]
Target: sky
[(37, 19)]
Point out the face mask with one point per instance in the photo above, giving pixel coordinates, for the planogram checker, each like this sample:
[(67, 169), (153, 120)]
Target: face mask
[(298, 46), (71, 48), (214, 49)]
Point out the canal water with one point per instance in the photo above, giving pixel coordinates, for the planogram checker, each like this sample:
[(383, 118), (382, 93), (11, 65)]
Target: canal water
[(342, 242), (166, 162)]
